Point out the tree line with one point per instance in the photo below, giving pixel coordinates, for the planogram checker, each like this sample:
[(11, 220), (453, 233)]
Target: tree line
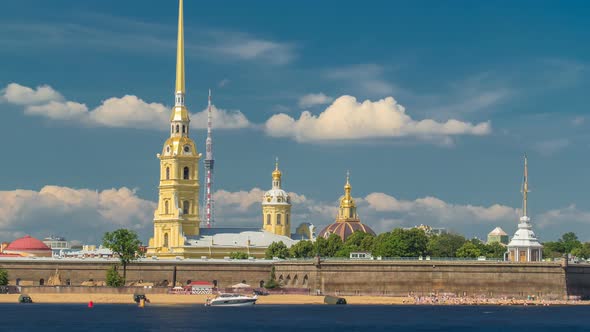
[(397, 243)]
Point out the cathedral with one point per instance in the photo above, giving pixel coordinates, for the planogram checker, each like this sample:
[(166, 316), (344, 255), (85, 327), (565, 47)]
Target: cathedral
[(177, 232)]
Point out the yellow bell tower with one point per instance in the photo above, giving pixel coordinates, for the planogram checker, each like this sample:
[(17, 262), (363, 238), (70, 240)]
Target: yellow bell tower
[(177, 214), (276, 207)]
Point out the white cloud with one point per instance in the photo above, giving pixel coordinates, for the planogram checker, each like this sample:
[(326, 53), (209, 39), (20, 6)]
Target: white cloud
[(21, 95), (245, 47), (314, 99), (364, 78), (125, 112), (550, 147), (347, 119), (578, 121), (75, 213)]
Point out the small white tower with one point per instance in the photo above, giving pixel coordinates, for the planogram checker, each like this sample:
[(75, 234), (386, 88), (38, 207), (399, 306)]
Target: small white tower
[(524, 246)]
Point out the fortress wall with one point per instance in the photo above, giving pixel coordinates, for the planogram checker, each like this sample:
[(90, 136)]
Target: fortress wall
[(399, 278), (393, 278)]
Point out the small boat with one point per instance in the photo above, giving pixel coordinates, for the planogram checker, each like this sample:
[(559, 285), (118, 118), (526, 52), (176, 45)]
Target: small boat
[(232, 300)]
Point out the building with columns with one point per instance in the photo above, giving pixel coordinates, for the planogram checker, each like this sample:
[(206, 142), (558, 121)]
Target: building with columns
[(276, 207), (524, 245)]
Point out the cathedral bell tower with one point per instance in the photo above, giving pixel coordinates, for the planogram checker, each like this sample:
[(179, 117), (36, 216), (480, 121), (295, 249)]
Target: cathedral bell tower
[(177, 214), (276, 207)]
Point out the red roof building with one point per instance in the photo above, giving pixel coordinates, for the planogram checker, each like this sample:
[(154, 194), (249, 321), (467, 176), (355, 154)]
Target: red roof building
[(29, 247)]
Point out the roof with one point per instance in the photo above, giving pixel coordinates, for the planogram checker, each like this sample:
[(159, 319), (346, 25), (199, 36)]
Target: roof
[(498, 231), (27, 243), (237, 237), (345, 229), (524, 236)]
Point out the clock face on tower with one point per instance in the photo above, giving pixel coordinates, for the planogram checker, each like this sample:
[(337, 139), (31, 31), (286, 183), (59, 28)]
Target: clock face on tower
[(187, 148)]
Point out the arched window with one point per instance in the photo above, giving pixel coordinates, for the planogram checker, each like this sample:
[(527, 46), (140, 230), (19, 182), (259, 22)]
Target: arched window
[(186, 207), (165, 207), (278, 218), (215, 283), (167, 173), (185, 173), (261, 283), (305, 280), (177, 128), (188, 282), (287, 219), (68, 282), (268, 219), (41, 282), (165, 240), (183, 129)]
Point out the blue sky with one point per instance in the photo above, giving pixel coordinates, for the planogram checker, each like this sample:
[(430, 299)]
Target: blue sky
[(513, 77)]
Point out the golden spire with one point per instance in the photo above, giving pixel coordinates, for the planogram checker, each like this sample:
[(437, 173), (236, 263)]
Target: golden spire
[(525, 187), (276, 175), (180, 51), (347, 211)]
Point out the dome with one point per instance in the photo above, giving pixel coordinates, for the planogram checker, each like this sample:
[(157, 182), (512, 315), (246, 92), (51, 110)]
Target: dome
[(27, 243), (276, 196), (345, 229)]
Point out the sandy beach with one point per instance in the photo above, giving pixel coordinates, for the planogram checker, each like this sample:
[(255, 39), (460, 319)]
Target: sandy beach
[(176, 299), (170, 299)]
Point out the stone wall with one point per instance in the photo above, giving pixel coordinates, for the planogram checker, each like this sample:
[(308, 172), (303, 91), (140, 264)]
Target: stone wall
[(344, 277)]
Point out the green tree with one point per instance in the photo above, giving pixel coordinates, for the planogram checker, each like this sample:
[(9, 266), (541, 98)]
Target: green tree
[(583, 251), (444, 245), (3, 277), (570, 242), (125, 244), (277, 249), (328, 247), (401, 243), (114, 279), (302, 249), (238, 255), (357, 241), (494, 250), (272, 282), (469, 250), (553, 249)]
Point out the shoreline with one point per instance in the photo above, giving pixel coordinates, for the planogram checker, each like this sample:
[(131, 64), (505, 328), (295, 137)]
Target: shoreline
[(176, 299)]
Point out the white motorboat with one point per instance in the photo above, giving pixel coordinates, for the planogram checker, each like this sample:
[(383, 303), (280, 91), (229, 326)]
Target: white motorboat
[(232, 300)]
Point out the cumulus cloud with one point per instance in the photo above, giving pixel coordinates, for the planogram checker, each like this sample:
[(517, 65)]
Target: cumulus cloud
[(346, 119), (125, 112), (314, 99), (80, 214)]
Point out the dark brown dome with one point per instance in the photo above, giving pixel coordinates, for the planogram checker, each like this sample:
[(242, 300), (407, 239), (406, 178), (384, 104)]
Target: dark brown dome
[(345, 229)]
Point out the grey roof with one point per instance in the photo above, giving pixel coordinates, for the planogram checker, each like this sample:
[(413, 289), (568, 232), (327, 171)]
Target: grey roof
[(237, 237)]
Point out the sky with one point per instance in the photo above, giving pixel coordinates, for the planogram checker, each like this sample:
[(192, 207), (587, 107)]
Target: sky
[(431, 106)]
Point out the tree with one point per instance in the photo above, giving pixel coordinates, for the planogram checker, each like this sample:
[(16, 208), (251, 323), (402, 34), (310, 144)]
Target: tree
[(238, 255), (302, 249), (444, 245), (401, 243), (125, 244), (357, 241), (553, 249), (277, 249), (570, 242), (114, 279), (3, 277), (272, 282), (494, 250), (469, 250), (583, 251)]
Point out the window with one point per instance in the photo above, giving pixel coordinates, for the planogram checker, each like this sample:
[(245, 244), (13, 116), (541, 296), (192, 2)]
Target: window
[(185, 174), (167, 173), (278, 219), (268, 219), (286, 219), (261, 283), (186, 207), (41, 282), (188, 282), (177, 128), (215, 283), (165, 240), (68, 282), (183, 129), (165, 207)]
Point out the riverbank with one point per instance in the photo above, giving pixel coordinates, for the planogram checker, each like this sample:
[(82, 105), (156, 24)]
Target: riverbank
[(174, 299)]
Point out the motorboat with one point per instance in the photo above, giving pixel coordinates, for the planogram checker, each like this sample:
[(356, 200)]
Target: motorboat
[(232, 300)]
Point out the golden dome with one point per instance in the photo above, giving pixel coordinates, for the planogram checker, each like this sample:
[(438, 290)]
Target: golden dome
[(276, 175)]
